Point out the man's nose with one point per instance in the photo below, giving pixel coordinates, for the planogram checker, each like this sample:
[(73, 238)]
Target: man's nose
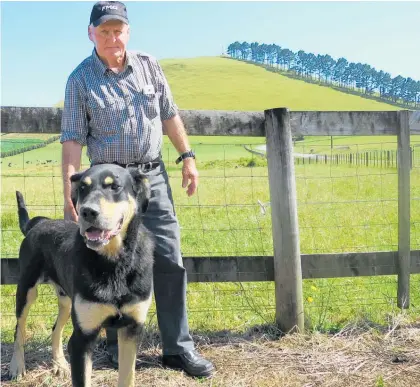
[(112, 37)]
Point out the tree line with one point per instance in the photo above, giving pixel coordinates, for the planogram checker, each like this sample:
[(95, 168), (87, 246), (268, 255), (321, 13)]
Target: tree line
[(323, 68)]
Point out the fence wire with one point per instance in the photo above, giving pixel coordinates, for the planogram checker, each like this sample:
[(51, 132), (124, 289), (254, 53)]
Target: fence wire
[(343, 206)]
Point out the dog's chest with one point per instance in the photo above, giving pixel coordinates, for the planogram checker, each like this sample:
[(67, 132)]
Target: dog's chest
[(120, 289), (90, 315)]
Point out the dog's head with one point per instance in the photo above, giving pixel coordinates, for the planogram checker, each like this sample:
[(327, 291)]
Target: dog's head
[(106, 198)]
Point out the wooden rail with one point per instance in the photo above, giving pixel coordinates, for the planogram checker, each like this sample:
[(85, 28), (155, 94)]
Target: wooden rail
[(261, 268), (232, 123)]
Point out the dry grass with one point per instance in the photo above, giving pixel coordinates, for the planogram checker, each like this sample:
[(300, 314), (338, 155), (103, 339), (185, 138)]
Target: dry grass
[(359, 355)]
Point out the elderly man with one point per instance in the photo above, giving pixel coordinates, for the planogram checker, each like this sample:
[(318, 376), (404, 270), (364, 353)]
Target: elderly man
[(116, 103)]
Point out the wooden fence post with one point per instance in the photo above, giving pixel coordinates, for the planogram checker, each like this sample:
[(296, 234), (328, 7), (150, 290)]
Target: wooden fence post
[(287, 261), (411, 157), (404, 260)]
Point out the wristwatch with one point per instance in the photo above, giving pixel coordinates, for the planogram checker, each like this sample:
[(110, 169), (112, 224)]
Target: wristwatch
[(185, 155)]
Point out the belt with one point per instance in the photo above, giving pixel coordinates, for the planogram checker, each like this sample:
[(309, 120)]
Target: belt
[(144, 167)]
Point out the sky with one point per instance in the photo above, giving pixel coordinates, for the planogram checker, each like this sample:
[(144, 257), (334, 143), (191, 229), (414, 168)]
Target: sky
[(42, 42)]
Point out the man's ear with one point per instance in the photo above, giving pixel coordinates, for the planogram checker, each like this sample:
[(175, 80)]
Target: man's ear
[(75, 181), (90, 33), (141, 188)]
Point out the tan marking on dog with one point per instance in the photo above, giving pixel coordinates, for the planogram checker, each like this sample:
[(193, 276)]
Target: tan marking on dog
[(87, 180), (91, 315), (112, 211), (127, 351), (137, 311), (108, 180), (61, 367), (113, 248), (17, 364), (88, 370)]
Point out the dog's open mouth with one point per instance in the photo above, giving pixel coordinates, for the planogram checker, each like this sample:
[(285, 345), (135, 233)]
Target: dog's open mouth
[(96, 237)]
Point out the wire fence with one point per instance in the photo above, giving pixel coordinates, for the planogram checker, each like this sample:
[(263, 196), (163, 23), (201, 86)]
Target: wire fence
[(341, 207)]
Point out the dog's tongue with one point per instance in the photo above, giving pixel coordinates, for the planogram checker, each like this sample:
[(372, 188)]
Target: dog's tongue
[(98, 234), (95, 234)]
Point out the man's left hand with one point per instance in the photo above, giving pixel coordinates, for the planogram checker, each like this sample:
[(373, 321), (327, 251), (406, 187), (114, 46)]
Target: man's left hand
[(189, 175)]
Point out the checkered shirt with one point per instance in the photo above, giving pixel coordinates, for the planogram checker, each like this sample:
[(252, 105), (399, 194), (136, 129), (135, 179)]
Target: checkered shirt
[(117, 116)]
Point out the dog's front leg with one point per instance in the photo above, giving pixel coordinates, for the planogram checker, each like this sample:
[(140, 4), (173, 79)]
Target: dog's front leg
[(127, 353), (88, 318), (80, 348)]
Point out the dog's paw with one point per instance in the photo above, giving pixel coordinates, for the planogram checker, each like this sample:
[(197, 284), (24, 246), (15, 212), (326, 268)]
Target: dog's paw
[(17, 367), (61, 368)]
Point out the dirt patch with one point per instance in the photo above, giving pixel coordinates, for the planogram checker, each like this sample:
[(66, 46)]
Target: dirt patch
[(352, 357)]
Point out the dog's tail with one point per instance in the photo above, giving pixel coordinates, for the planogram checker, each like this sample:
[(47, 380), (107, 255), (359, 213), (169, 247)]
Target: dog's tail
[(23, 213)]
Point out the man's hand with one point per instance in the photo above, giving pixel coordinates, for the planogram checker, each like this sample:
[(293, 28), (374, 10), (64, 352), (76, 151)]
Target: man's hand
[(71, 156), (189, 174), (70, 212)]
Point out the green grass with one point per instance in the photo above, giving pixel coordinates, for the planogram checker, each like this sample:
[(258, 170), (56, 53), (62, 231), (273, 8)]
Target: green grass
[(15, 144), (351, 144), (222, 84), (341, 209)]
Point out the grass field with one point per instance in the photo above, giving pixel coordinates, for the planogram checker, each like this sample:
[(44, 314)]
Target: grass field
[(14, 144), (341, 209), (223, 84)]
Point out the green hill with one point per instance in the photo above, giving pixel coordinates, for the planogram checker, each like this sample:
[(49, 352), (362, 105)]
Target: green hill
[(217, 83)]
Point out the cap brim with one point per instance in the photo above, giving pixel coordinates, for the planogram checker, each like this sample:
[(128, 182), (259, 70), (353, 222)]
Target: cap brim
[(106, 18)]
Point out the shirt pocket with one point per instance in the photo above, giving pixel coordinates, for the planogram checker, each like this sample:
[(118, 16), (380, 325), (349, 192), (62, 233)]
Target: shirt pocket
[(149, 104), (105, 116)]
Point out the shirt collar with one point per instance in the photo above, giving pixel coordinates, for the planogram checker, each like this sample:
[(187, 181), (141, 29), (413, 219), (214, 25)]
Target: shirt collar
[(100, 66)]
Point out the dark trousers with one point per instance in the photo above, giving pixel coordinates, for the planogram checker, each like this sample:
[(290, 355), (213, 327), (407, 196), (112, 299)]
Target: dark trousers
[(169, 275)]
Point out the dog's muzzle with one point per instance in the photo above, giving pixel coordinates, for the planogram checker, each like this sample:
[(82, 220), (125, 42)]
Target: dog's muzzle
[(95, 235)]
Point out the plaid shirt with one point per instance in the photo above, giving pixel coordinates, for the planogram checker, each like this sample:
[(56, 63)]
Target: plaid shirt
[(117, 116)]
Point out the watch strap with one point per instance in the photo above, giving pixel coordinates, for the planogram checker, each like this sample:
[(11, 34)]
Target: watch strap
[(185, 155)]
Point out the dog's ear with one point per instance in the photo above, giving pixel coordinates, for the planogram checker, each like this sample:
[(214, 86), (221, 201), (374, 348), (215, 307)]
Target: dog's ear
[(141, 188), (75, 180)]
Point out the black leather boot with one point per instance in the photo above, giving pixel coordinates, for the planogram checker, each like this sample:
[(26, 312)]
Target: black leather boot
[(190, 362)]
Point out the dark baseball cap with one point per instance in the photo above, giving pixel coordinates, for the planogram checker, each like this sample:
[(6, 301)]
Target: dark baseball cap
[(103, 11)]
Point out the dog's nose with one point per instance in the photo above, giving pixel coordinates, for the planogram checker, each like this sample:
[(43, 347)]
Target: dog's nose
[(89, 213)]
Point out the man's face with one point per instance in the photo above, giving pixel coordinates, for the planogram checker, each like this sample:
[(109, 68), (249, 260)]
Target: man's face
[(110, 39)]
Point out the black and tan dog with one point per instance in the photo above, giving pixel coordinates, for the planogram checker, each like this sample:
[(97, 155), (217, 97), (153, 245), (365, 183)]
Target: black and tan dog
[(101, 269)]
